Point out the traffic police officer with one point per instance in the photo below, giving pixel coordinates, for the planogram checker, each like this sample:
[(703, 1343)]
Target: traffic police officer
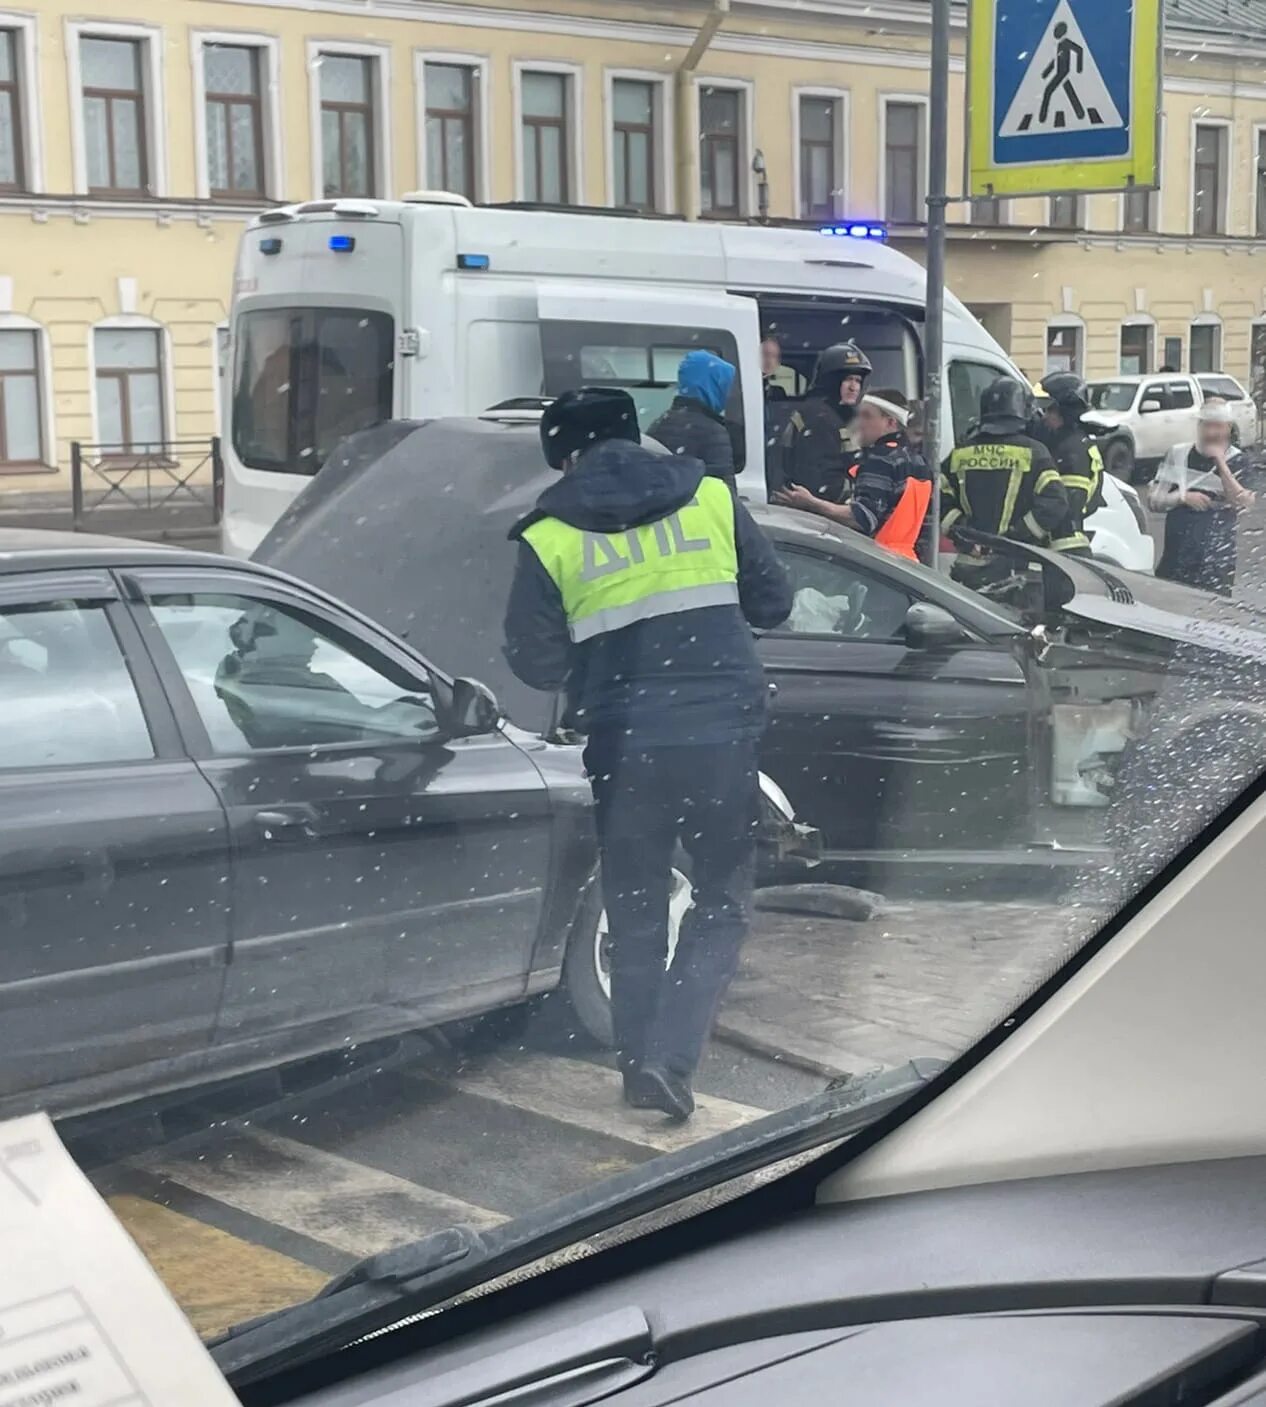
[(638, 583), (1077, 458), (1002, 482), (819, 444)]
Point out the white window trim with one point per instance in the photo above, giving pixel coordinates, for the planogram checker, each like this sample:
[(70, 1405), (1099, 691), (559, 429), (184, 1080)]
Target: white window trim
[(482, 65), (574, 134), (885, 99), (27, 47), (19, 322), (1162, 134), (381, 103), (842, 175), (746, 89), (166, 385), (1074, 321), (1259, 129), (665, 202), (1136, 320), (1228, 169), (151, 40), (269, 49)]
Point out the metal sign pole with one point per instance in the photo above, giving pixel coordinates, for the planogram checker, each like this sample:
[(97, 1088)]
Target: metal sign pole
[(934, 340)]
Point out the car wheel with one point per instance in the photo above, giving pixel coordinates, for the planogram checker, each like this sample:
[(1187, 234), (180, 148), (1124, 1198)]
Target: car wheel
[(1118, 460), (587, 964)]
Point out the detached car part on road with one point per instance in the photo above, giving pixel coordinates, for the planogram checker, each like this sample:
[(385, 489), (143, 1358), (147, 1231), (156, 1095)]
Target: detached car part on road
[(241, 823)]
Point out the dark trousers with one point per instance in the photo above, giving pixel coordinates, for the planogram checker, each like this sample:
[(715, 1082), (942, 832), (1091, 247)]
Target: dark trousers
[(708, 797)]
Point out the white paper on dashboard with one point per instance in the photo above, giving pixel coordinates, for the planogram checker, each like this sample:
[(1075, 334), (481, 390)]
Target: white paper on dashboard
[(84, 1320)]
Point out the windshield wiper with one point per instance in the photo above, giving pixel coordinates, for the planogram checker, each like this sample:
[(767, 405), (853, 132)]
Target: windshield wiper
[(384, 1288)]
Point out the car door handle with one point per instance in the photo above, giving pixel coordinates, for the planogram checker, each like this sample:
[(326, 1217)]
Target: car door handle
[(291, 823)]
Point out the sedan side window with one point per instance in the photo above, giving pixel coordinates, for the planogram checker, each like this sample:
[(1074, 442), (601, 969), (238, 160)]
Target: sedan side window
[(831, 597), (69, 697), (265, 676)]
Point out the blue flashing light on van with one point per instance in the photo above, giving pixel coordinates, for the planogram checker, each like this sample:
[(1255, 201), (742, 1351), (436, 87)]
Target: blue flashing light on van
[(855, 229), (342, 244)]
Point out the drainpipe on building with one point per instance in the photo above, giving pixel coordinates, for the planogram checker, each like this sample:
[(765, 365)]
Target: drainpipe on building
[(684, 107)]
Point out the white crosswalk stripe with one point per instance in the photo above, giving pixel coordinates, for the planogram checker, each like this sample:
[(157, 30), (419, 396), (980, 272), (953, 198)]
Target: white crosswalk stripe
[(345, 1204), (586, 1096)]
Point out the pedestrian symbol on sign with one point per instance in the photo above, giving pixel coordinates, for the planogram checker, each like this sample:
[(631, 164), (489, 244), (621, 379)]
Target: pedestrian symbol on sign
[(1062, 89)]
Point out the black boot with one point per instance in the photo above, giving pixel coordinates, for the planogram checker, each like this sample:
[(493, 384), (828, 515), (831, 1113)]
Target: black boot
[(639, 1092), (669, 1093)]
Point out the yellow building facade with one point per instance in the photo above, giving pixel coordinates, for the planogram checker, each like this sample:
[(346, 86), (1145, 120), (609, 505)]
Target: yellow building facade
[(137, 138)]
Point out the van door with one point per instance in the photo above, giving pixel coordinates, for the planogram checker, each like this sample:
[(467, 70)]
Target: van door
[(634, 336)]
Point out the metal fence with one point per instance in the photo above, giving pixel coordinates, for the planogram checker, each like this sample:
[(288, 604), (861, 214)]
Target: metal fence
[(169, 489)]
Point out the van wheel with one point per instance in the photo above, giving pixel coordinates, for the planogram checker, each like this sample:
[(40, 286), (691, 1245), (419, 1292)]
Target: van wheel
[(587, 964), (1118, 460)]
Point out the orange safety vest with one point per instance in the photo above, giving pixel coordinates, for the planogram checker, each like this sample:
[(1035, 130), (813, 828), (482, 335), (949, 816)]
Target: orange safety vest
[(900, 533)]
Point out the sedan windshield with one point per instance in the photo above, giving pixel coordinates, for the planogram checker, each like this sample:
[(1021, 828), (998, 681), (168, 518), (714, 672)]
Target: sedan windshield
[(527, 697)]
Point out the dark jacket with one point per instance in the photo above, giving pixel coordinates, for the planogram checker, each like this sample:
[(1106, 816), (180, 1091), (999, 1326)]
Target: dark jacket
[(671, 680), (880, 480), (1083, 482), (688, 427), (816, 449), (976, 485)]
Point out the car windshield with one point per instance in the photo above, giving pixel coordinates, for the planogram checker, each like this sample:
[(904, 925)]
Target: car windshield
[(527, 645), (1112, 395)]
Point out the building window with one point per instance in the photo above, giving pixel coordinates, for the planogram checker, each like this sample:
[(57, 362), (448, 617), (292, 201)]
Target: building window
[(546, 123), (21, 432), (12, 176), (1065, 213), (1172, 354), (1208, 195), (450, 127), (348, 140), (1139, 212), (129, 389), (1063, 348), (986, 211), (235, 120), (1261, 184), (1136, 349), (720, 124), (633, 143), (819, 157), (112, 72), (1206, 347), (903, 163)]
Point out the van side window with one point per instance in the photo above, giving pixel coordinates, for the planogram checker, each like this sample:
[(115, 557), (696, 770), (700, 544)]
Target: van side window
[(967, 382), (643, 360)]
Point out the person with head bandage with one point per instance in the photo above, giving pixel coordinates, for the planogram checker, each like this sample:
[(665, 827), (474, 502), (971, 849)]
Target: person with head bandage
[(891, 485)]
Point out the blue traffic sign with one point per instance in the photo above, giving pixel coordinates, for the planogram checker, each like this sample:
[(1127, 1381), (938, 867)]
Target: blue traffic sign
[(1062, 94)]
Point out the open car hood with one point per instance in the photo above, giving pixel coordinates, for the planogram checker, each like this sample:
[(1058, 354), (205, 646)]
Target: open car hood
[(1146, 605), (408, 522)]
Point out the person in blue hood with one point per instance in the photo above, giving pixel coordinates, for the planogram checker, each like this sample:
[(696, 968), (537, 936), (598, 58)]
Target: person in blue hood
[(639, 580), (695, 423)]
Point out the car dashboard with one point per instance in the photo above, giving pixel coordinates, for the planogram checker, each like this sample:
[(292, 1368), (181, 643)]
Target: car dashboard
[(1143, 1286)]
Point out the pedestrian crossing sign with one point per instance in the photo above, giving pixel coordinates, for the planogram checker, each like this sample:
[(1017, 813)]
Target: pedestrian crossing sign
[(1062, 96)]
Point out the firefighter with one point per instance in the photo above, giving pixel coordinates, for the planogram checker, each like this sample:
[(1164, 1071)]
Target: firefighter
[(1076, 456), (1002, 482), (819, 445)]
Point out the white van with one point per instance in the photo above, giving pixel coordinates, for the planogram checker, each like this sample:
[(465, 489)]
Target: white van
[(349, 312)]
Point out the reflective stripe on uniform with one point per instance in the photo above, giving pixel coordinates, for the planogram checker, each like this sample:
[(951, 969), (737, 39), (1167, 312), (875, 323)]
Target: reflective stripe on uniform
[(1013, 460), (684, 561), (1077, 481), (1034, 527), (663, 603), (1070, 543)]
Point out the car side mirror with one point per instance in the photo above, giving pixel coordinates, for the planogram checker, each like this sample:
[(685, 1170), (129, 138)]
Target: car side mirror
[(929, 627), (472, 709), (1149, 407)]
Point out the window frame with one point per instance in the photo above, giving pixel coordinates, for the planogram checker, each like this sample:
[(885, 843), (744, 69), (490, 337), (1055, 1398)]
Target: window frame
[(132, 323), (480, 147), (254, 100), (12, 92), (744, 91), (652, 131), (153, 581), (379, 106), (1067, 322), (886, 102), (109, 96), (29, 112), (268, 61), (1079, 213), (43, 399), (1258, 228), (841, 123), (1149, 325), (1226, 167), (1210, 320), (153, 129), (572, 129)]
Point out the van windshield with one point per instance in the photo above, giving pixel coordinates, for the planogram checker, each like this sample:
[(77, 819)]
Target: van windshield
[(304, 379)]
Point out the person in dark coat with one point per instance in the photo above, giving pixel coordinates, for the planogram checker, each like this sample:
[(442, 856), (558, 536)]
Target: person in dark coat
[(638, 584), (818, 444), (695, 423)]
